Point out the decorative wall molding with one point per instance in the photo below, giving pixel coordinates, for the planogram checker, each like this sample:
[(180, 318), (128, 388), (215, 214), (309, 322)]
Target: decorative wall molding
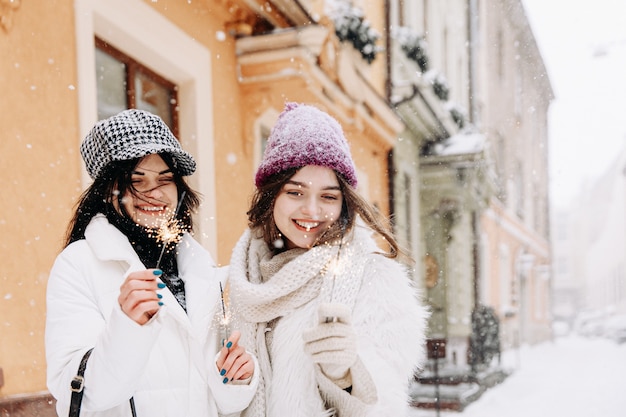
[(7, 8)]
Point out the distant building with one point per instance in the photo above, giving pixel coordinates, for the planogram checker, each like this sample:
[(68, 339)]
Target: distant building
[(483, 170), (590, 251), (512, 97)]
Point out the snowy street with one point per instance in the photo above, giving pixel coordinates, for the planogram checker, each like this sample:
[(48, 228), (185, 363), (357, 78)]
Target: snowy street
[(570, 377)]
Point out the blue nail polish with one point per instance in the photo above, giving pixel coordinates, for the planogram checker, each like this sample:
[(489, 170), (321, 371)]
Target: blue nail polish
[(229, 345), (157, 272), (160, 303), (159, 295), (225, 380), (223, 372), (161, 285)]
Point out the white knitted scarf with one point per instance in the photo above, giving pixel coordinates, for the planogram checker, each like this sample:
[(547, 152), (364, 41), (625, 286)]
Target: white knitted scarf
[(263, 295), (265, 287)]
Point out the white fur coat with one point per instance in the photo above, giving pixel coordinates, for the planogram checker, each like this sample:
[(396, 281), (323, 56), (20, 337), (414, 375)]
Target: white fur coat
[(387, 317)]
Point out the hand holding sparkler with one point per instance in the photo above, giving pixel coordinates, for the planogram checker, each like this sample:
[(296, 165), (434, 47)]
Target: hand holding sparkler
[(233, 362), (332, 344), (138, 297)]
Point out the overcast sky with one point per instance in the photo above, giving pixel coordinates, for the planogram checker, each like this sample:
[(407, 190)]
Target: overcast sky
[(583, 44)]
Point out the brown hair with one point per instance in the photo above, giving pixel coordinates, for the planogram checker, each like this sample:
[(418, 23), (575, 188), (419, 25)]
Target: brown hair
[(261, 214)]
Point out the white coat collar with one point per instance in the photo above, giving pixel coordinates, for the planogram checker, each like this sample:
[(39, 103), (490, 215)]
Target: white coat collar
[(109, 244)]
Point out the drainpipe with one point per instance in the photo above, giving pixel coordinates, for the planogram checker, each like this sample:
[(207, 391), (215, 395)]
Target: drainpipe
[(388, 80), (472, 34), (476, 256), (472, 11)]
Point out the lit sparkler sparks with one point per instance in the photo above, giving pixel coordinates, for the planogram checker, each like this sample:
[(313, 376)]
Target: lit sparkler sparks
[(170, 230)]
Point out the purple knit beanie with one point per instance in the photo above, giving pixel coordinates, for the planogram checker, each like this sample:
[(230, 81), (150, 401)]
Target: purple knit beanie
[(305, 135)]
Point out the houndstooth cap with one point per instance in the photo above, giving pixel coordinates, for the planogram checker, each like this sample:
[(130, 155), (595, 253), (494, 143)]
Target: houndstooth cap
[(132, 134)]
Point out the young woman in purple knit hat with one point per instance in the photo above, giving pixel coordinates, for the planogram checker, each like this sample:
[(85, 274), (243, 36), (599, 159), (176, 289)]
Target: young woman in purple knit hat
[(336, 324)]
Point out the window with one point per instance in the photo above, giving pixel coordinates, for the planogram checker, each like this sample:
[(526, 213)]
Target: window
[(507, 293), (539, 298), (500, 54), (124, 83), (519, 189), (518, 93), (262, 129)]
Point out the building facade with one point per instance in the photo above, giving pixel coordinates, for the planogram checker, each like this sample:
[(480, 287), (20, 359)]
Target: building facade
[(590, 254), (427, 142), (513, 95), (222, 70), (469, 83)]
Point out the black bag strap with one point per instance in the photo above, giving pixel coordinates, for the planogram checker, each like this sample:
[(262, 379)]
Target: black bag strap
[(78, 384)]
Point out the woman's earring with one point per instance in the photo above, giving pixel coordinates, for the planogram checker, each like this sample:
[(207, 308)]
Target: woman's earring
[(278, 241)]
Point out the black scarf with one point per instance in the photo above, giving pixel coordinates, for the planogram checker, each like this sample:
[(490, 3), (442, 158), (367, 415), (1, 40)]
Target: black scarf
[(148, 248)]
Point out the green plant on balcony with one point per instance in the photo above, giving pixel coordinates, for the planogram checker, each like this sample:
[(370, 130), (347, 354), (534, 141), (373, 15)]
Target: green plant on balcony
[(414, 46), (439, 83), (351, 26), (458, 114)]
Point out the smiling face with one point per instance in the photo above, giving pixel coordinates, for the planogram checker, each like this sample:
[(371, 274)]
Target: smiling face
[(307, 205), (154, 194)]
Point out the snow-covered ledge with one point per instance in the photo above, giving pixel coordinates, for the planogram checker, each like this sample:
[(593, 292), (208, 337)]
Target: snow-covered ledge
[(311, 37)]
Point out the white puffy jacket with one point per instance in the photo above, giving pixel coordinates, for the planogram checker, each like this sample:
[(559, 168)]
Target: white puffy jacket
[(167, 365)]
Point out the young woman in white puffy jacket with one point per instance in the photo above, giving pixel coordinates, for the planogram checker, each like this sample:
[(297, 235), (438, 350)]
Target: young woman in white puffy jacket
[(134, 286)]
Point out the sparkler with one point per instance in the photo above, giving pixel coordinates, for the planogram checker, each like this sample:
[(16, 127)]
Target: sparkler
[(224, 322), (170, 230), (223, 306), (335, 268)]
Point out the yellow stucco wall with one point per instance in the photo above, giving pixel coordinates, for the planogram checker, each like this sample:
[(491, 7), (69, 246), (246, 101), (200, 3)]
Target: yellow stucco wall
[(42, 172), (40, 177)]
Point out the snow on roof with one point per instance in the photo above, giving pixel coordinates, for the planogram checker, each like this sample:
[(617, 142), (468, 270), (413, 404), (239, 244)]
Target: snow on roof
[(461, 144)]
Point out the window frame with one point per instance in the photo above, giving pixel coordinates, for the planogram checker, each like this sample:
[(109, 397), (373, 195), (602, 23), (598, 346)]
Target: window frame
[(134, 67)]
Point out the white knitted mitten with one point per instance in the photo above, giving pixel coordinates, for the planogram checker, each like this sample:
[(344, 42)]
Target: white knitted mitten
[(332, 343)]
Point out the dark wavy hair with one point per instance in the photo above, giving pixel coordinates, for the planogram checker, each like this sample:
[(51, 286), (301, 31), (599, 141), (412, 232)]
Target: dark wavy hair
[(261, 214), (113, 183)]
